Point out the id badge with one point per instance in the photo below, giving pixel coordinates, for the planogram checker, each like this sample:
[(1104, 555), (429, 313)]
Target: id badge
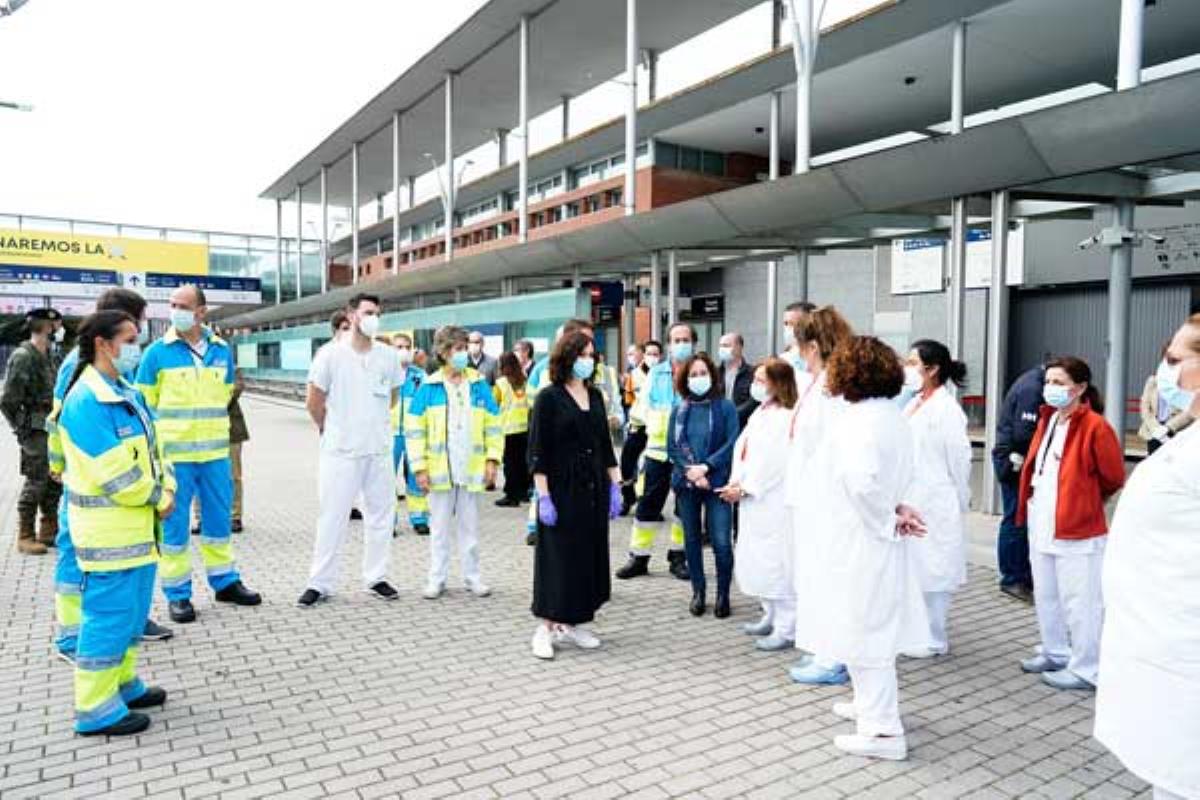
[(382, 388)]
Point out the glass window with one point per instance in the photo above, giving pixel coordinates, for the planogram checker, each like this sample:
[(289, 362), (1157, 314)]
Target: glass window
[(666, 155), (689, 159), (714, 163)]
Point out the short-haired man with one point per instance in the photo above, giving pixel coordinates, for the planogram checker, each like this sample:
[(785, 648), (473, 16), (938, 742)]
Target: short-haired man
[(188, 380), (653, 411), (480, 361), (736, 375), (353, 383)]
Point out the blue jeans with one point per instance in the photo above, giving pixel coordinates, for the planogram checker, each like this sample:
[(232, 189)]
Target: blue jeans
[(1012, 543), (719, 516)]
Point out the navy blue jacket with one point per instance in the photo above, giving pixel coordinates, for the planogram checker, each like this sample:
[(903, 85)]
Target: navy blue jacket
[(1019, 416), (720, 417)]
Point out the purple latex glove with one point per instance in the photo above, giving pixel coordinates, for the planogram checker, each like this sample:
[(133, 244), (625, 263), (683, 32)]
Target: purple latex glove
[(614, 501), (547, 513)]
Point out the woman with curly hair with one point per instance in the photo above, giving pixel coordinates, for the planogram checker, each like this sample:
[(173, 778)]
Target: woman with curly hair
[(873, 607)]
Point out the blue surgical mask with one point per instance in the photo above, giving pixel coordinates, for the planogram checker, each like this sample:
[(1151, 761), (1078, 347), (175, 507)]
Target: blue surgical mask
[(1056, 396), (459, 359), (183, 319), (798, 363), (725, 354), (1172, 393), (129, 358), (681, 351), (584, 368), (699, 385)]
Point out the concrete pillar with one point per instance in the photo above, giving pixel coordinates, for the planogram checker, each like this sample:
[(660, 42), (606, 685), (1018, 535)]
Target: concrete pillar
[(672, 286), (1120, 293), (451, 180), (324, 228), (523, 122), (655, 297), (631, 63), (354, 152), (278, 251), (997, 344), (396, 192), (956, 293)]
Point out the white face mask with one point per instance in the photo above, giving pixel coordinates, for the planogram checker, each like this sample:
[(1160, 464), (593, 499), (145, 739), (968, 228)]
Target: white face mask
[(60, 334), (759, 392), (368, 325), (913, 380), (406, 355), (650, 361), (474, 349)]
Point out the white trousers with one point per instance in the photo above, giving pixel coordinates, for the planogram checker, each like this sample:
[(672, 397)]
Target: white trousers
[(460, 508), (1070, 608), (937, 605), (341, 480), (782, 614), (876, 700)]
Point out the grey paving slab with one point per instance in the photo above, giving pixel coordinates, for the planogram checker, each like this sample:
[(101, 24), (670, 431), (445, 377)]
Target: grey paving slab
[(359, 698)]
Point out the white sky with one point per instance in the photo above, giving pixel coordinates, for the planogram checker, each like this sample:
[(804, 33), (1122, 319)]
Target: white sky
[(179, 113)]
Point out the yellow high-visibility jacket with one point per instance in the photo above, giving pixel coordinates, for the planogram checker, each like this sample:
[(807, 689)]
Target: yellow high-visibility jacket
[(514, 406)]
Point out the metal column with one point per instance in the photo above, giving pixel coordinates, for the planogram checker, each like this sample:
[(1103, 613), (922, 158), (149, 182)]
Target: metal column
[(802, 275), (278, 251), (628, 312), (631, 64), (772, 306), (773, 134), (324, 228), (957, 287), (566, 117), (395, 192), (576, 277), (354, 211), (672, 286), (1129, 56), (651, 75), (299, 240), (1120, 289), (997, 344), (501, 148), (958, 77), (804, 48), (451, 186), (523, 122), (655, 297)]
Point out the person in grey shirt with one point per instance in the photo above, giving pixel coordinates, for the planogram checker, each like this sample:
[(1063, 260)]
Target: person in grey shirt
[(480, 361)]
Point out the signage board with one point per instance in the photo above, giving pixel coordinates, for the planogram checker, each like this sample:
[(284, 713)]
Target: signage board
[(709, 306), (61, 282), (921, 264), (121, 254)]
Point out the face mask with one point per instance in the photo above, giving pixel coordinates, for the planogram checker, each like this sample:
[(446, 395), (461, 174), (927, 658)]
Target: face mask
[(699, 385), (1175, 395), (128, 358), (182, 319), (725, 354), (631, 363), (681, 351), (1056, 396), (143, 334), (458, 359), (798, 363), (368, 325), (787, 336), (913, 381), (759, 392), (650, 361), (406, 355), (584, 368), (60, 334), (474, 350)]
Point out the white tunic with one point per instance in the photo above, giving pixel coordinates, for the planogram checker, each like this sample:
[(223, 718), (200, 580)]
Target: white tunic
[(1148, 701), (763, 563), (863, 604), (814, 412), (940, 489)]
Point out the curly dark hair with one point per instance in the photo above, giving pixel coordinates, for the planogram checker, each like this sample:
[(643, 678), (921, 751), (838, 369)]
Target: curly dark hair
[(864, 368), (562, 358), (681, 377)]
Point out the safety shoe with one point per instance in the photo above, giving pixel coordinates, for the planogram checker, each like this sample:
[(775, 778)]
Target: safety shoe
[(421, 529), (888, 748), (355, 514), (384, 591), (1065, 679), (773, 644), (236, 526), (543, 643), (153, 632), (634, 567), (181, 611), (31, 547), (1041, 663), (126, 726), (580, 637), (433, 590), (477, 587), (153, 697), (508, 502), (814, 674), (238, 594), (310, 598), (196, 529), (678, 564)]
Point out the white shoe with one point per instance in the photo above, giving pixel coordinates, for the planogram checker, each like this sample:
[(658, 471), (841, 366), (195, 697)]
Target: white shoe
[(477, 587), (433, 590), (543, 643), (580, 637), (845, 711), (889, 748)]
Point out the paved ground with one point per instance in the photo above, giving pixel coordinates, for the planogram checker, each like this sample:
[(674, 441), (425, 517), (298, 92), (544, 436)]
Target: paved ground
[(426, 699)]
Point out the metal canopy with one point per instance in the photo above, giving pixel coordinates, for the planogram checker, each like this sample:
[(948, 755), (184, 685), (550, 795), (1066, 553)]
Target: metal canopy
[(1154, 122)]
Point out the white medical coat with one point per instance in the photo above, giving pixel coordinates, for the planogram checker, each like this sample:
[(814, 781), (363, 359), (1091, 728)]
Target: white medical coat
[(763, 563), (1148, 700)]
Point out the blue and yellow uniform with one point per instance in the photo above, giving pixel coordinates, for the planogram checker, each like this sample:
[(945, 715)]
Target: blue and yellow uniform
[(418, 503), (652, 410), (189, 390), (116, 481), (425, 427)]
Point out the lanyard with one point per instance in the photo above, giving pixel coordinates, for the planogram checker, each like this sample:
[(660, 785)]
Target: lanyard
[(1045, 451)]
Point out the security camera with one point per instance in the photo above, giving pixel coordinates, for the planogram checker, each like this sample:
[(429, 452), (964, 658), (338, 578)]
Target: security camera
[(1088, 242), (1154, 237)]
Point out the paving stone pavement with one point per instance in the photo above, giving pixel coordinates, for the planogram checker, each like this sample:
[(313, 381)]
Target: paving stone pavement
[(418, 699)]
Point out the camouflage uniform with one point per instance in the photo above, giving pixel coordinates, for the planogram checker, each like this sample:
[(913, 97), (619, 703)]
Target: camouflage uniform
[(26, 402)]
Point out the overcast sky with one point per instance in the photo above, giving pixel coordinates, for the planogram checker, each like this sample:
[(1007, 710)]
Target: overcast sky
[(179, 113)]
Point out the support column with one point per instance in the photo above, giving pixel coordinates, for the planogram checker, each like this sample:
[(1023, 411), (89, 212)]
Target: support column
[(396, 192), (631, 59), (576, 277), (1129, 54), (501, 147), (299, 240), (773, 133), (997, 344), (655, 297), (523, 122), (278, 251), (1120, 291), (324, 228), (672, 286), (412, 190), (804, 50), (958, 77), (628, 312), (354, 211), (957, 286), (801, 275), (566, 117), (451, 181), (651, 58), (772, 306)]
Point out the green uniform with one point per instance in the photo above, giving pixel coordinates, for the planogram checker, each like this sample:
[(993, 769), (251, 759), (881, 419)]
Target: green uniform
[(26, 402)]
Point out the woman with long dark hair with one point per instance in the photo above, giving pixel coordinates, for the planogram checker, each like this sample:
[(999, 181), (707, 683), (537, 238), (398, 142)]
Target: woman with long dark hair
[(1075, 463), (513, 398), (118, 489)]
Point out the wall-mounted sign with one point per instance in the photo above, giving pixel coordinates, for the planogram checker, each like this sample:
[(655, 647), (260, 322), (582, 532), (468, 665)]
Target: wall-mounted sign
[(921, 264), (57, 282), (122, 254), (709, 306)]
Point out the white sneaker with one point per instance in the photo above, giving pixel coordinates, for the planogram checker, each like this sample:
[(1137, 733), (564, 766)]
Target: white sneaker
[(845, 711), (543, 643), (477, 587), (580, 637), (889, 748), (433, 590)]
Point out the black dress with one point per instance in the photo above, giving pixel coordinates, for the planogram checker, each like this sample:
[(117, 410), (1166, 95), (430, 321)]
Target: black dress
[(573, 449)]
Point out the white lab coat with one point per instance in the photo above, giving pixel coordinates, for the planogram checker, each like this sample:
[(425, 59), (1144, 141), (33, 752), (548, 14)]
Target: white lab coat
[(940, 489), (1148, 699), (763, 562), (814, 412), (863, 604)]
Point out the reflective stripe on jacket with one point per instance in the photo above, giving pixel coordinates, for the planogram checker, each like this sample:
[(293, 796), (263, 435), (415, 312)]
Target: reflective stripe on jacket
[(514, 406), (413, 376), (115, 479), (426, 432), (653, 409)]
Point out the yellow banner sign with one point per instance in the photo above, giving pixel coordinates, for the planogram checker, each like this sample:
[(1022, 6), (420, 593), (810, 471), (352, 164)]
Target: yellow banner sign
[(49, 250)]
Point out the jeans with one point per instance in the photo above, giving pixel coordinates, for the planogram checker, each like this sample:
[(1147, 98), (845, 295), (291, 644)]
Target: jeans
[(1012, 543), (719, 516)]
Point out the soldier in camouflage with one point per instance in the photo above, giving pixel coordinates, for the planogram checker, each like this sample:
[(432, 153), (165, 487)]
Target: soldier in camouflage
[(25, 403)]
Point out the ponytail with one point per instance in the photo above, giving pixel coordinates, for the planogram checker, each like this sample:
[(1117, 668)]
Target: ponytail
[(936, 354), (100, 325)]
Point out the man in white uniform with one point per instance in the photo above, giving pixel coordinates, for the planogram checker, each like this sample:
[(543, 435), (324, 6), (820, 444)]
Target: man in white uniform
[(352, 385)]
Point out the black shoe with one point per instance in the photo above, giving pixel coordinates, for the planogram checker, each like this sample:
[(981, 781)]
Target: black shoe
[(678, 565), (196, 529), (721, 609), (508, 502), (238, 594), (236, 526), (1018, 591), (153, 632), (384, 591), (421, 529), (697, 606), (634, 567), (531, 539), (127, 726), (355, 514), (181, 611), (310, 598), (154, 696), (626, 507)]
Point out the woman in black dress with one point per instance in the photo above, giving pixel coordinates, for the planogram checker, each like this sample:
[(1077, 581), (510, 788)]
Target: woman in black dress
[(579, 490)]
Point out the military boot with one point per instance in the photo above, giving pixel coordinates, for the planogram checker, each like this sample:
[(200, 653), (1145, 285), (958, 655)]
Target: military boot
[(27, 543), (47, 530), (634, 567)]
